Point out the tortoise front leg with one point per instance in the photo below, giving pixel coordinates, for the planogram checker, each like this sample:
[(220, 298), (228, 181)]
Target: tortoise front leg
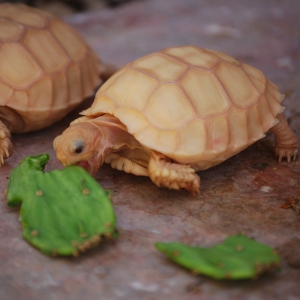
[(172, 175), (286, 141), (133, 161), (5, 143)]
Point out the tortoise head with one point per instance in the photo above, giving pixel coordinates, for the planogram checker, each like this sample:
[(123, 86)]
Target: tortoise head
[(81, 144)]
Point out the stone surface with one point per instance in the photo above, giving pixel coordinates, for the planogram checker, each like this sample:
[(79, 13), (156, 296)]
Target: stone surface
[(243, 194)]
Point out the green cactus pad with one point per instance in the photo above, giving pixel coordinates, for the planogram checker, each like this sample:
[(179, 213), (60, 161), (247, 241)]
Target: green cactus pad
[(63, 212), (238, 257)]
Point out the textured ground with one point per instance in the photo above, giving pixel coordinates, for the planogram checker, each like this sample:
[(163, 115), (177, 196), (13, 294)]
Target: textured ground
[(244, 194)]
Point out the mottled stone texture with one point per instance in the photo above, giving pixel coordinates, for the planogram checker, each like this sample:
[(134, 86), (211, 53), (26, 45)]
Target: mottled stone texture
[(244, 194)]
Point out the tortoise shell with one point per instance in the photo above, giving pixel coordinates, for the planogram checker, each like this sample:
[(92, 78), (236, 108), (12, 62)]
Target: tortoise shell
[(194, 105), (46, 68)]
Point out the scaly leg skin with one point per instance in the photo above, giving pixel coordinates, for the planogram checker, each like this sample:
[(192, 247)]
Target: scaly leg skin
[(172, 175), (286, 141), (5, 143), (122, 163)]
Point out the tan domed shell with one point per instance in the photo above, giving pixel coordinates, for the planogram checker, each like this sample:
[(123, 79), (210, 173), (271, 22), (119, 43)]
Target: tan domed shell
[(194, 105), (40, 55)]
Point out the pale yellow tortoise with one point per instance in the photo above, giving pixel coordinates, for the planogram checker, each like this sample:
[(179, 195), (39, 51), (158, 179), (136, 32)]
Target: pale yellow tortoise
[(46, 70), (175, 112)]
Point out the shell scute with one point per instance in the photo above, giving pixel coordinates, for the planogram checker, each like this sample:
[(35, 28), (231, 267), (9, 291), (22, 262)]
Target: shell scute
[(174, 109), (159, 140), (274, 92), (254, 126), (42, 44), (93, 69), (27, 16), (105, 86), (41, 87), (224, 56), (59, 90), (86, 80), (167, 139), (69, 39), (189, 149), (193, 56), (273, 98), (106, 105), (237, 85), (17, 67), (19, 100), (265, 115), (237, 123), (10, 31), (205, 93), (74, 84), (256, 76), (161, 67), (6, 93), (135, 121), (132, 90), (217, 135)]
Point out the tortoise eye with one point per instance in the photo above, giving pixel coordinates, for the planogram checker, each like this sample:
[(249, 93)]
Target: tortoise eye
[(78, 147)]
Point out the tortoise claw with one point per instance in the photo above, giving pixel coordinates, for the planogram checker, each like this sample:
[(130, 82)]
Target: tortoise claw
[(290, 153), (5, 145)]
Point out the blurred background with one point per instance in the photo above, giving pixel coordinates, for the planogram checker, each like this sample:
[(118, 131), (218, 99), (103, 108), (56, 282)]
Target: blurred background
[(64, 7), (244, 194)]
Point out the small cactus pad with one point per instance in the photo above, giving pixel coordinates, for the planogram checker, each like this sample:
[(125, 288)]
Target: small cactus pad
[(238, 257), (63, 212)]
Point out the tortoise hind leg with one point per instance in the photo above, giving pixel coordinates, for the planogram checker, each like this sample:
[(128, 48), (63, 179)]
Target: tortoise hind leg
[(5, 143), (286, 141), (172, 175)]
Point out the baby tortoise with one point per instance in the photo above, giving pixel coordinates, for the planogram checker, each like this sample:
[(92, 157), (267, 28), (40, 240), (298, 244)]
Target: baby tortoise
[(46, 70), (175, 112)]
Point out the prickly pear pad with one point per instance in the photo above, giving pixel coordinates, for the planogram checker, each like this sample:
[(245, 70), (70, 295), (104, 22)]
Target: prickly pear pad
[(63, 212), (238, 257)]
